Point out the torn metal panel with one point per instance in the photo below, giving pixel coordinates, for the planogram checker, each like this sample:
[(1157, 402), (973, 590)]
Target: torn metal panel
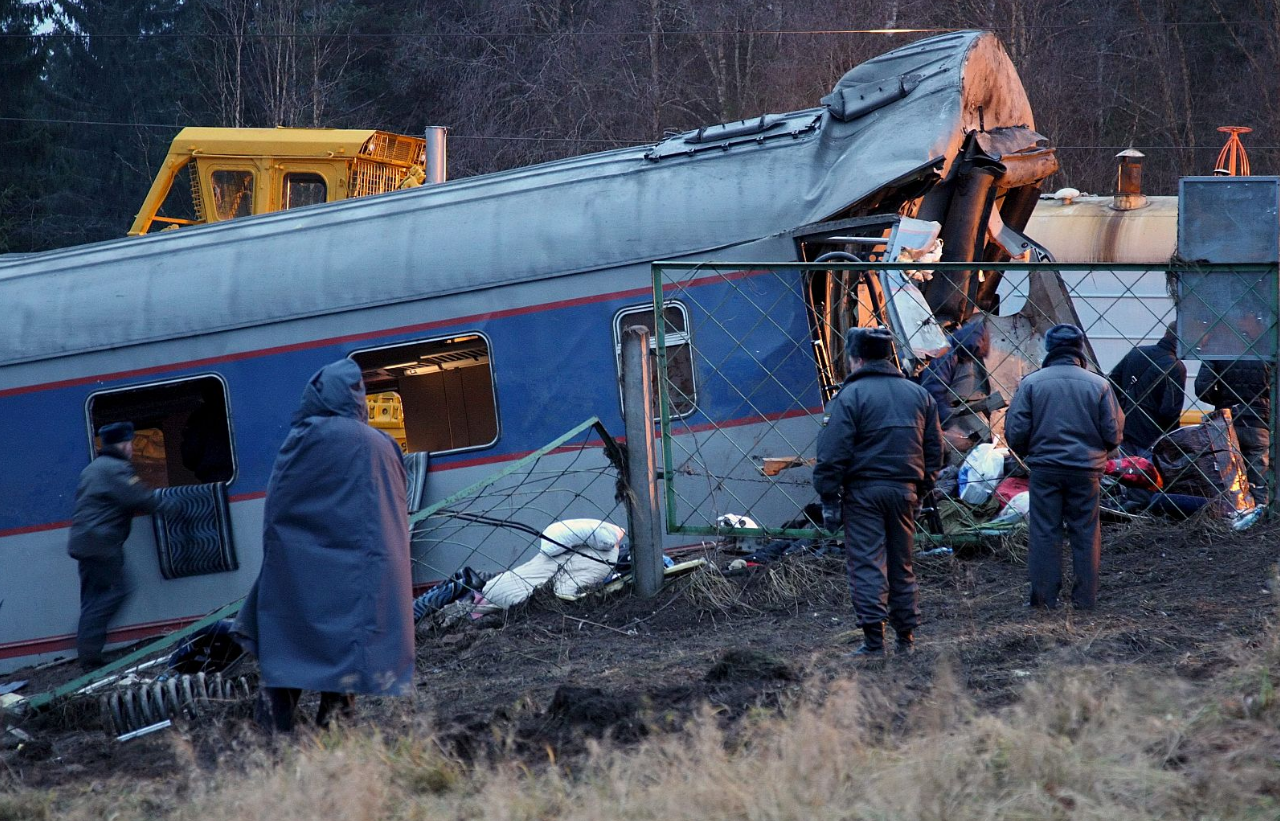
[(996, 175), (839, 300), (1023, 155)]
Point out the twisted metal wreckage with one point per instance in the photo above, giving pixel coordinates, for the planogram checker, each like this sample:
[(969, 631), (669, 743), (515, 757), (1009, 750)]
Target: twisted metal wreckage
[(207, 334)]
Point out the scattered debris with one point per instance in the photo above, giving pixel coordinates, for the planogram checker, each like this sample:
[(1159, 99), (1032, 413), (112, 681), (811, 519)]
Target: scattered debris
[(773, 466), (12, 686), (1248, 520), (162, 725), (128, 709)]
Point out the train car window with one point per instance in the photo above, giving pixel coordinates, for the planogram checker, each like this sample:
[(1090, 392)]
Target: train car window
[(183, 429), (232, 194), (680, 379), (304, 189), (434, 396)]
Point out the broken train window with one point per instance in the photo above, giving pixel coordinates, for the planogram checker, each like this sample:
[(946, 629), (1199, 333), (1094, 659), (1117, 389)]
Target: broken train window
[(182, 429), (433, 396), (680, 382)]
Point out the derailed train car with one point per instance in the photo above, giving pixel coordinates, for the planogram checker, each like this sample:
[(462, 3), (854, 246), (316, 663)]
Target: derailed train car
[(491, 306)]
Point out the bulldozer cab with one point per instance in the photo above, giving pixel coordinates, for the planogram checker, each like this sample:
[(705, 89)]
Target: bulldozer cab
[(217, 174)]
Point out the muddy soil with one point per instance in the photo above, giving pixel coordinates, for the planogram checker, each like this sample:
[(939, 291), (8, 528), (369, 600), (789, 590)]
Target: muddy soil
[(547, 679)]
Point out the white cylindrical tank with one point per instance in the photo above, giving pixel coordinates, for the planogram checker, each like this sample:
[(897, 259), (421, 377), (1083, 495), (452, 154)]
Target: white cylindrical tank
[(1118, 310), (1089, 229)]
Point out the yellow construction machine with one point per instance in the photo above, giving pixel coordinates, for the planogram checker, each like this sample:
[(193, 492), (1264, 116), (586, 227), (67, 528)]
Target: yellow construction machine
[(216, 174)]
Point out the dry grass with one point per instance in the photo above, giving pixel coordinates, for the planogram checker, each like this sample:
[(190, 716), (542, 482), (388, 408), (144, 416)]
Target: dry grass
[(1090, 744), (708, 590), (796, 581)]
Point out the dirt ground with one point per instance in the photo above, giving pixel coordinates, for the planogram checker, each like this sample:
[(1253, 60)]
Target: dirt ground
[(1176, 599)]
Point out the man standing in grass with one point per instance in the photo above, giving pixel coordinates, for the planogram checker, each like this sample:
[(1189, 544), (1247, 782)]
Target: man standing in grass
[(1064, 420), (881, 446)]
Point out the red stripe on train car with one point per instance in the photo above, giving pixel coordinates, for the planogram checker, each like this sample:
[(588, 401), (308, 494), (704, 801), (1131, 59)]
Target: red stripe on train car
[(132, 632), (497, 458), (363, 336)]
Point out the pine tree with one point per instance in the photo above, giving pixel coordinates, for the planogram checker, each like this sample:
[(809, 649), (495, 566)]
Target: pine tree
[(24, 142)]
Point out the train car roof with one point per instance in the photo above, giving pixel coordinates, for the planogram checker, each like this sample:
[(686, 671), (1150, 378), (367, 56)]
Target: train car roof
[(900, 116)]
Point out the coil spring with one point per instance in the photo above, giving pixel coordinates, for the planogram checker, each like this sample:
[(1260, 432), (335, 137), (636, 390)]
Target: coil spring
[(187, 696)]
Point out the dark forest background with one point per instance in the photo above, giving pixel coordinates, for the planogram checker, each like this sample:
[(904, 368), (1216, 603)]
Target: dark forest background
[(92, 92)]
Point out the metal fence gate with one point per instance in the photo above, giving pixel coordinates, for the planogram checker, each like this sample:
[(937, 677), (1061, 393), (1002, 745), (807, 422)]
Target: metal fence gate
[(748, 354)]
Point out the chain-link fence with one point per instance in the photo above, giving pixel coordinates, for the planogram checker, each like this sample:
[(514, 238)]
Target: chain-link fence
[(555, 517), (748, 354)]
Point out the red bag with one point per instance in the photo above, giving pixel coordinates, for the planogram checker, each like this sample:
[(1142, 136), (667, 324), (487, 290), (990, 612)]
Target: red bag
[(1011, 486), (1136, 472)]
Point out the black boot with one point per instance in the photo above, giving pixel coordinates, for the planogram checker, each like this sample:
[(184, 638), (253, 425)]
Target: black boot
[(872, 642), (906, 643)]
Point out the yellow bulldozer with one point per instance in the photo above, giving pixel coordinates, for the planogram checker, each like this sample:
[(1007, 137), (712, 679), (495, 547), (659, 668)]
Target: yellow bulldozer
[(216, 174)]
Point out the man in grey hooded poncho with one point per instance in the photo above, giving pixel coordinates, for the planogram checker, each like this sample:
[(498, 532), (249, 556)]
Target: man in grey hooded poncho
[(332, 609)]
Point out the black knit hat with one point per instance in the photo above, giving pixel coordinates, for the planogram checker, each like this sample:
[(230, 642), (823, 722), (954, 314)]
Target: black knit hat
[(116, 433), (868, 343), (1064, 336)]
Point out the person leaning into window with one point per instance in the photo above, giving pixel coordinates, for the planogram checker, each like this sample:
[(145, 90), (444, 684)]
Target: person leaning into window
[(332, 609), (108, 496)]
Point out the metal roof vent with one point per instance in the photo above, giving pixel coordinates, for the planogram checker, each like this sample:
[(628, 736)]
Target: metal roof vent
[(1129, 196)]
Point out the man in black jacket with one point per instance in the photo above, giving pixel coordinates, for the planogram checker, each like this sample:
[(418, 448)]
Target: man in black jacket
[(107, 498), (1244, 386), (1150, 383), (1064, 421), (881, 443)]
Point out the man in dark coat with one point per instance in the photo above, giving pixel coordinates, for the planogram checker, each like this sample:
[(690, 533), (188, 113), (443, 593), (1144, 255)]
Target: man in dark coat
[(961, 387), (880, 447), (332, 609), (108, 496), (1244, 386), (1064, 421), (1150, 384)]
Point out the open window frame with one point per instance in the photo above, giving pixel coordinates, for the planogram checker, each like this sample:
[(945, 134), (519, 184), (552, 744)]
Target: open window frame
[(91, 424), (406, 347)]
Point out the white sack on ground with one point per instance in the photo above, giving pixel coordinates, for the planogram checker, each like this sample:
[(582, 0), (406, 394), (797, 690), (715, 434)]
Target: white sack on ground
[(589, 552)]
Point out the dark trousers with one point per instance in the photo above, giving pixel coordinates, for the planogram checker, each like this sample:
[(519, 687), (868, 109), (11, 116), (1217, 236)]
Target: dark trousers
[(1059, 497), (879, 526), (103, 589), (277, 705)]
